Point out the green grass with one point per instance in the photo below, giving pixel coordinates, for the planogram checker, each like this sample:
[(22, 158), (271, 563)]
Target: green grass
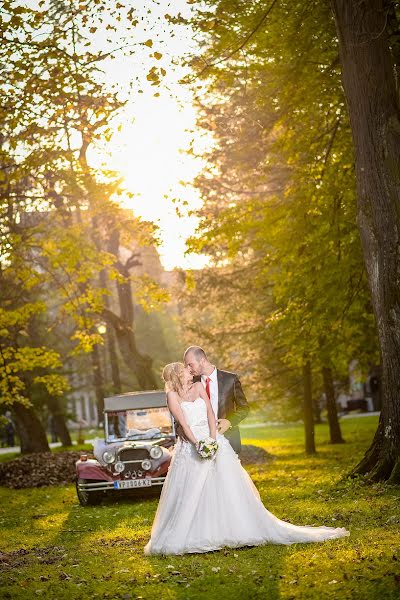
[(97, 552)]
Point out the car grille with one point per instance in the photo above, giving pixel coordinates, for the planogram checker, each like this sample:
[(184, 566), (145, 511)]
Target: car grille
[(128, 454)]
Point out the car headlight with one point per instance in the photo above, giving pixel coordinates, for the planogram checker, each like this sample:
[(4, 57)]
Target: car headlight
[(146, 464), (108, 456), (156, 452), (119, 466)]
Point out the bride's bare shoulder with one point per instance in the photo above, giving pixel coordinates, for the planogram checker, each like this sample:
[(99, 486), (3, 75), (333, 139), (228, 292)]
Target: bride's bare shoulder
[(172, 396)]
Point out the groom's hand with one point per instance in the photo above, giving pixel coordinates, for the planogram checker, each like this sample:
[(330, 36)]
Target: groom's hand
[(223, 425)]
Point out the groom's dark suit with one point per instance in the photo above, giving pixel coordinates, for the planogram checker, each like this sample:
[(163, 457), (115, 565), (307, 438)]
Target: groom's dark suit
[(232, 405)]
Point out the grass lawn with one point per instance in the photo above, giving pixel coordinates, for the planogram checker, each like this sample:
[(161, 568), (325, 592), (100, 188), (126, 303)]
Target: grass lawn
[(60, 550)]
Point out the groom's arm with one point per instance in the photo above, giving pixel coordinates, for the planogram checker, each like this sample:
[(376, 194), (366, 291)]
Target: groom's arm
[(242, 407)]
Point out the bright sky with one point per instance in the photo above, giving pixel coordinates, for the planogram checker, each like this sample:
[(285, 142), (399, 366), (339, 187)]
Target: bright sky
[(147, 151)]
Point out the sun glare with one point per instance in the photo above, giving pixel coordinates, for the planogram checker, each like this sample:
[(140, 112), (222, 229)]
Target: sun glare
[(151, 134), (148, 154)]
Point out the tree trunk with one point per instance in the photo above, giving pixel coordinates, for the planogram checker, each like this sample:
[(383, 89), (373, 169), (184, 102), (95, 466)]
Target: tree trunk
[(141, 364), (373, 104), (30, 430), (308, 409), (61, 428), (112, 352), (334, 425), (110, 340), (98, 381)]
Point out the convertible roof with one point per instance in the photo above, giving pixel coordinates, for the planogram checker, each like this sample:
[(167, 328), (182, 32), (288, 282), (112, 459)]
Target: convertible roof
[(132, 400)]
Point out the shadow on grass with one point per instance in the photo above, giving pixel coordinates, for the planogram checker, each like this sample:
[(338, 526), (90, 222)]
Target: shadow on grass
[(228, 573)]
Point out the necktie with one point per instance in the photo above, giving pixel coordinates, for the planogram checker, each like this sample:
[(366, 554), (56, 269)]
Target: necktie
[(208, 387)]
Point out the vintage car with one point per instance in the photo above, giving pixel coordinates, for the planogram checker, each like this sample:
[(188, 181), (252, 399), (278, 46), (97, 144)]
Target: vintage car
[(136, 452)]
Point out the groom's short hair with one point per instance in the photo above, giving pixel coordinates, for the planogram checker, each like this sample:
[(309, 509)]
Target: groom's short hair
[(197, 351)]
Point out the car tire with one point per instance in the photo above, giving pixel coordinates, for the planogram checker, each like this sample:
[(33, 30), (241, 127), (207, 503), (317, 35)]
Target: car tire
[(87, 498)]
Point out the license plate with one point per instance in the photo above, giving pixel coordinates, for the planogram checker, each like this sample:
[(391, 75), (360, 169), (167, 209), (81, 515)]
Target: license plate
[(131, 483)]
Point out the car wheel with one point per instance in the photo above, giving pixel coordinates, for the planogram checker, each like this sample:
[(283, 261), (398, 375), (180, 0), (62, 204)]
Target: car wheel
[(87, 498)]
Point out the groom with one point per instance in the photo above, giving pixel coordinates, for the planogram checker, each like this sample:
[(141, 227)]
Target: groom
[(225, 392)]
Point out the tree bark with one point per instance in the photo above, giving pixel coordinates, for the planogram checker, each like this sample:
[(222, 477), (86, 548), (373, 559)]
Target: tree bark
[(373, 103), (141, 364), (112, 352), (98, 381), (308, 409), (334, 425), (30, 430), (110, 340)]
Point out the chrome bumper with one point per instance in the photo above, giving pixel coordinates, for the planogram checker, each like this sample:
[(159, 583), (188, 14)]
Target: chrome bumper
[(101, 486)]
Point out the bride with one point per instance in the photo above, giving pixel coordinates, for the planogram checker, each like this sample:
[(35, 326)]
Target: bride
[(211, 503)]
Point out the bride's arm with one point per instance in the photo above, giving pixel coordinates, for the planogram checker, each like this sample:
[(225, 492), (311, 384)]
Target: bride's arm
[(210, 413), (177, 413)]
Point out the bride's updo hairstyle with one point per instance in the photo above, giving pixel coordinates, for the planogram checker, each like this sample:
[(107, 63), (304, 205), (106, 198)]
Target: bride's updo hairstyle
[(173, 375)]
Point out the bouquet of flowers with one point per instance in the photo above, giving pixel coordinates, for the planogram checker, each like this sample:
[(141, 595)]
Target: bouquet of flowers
[(207, 448)]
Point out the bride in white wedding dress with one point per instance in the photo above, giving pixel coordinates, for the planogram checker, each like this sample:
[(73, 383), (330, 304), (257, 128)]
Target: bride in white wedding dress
[(207, 504)]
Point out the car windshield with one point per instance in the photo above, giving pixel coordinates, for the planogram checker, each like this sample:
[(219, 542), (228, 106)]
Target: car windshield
[(143, 423)]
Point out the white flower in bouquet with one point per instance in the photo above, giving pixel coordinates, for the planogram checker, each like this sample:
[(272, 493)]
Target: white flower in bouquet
[(207, 448)]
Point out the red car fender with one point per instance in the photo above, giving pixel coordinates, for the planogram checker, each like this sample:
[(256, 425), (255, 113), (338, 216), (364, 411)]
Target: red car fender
[(163, 468), (92, 470)]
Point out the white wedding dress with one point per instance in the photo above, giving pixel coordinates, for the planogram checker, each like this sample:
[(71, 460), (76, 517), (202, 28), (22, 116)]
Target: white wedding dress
[(208, 504)]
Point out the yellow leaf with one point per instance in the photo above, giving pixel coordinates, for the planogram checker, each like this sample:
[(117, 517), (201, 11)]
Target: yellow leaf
[(157, 55), (149, 43)]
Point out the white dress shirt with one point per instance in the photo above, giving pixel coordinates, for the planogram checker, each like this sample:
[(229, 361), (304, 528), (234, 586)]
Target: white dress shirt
[(213, 390)]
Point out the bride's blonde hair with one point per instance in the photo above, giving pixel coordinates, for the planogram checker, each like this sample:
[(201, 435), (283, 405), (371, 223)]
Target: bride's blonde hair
[(173, 375)]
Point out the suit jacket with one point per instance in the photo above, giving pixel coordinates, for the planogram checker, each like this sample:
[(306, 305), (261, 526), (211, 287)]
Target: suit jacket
[(232, 405)]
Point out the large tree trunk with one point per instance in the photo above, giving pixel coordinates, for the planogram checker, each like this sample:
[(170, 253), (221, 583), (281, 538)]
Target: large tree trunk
[(308, 409), (112, 353), (373, 104), (110, 340), (123, 325), (30, 430), (61, 428), (98, 381), (334, 426)]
